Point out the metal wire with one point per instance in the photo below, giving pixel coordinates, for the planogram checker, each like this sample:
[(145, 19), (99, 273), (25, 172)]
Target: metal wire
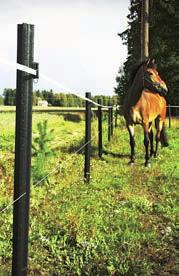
[(34, 72), (50, 173), (12, 203)]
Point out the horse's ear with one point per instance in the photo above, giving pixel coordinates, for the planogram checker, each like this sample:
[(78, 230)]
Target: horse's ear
[(153, 60), (148, 61)]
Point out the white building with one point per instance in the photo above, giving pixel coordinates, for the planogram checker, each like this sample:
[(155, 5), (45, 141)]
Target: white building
[(42, 103)]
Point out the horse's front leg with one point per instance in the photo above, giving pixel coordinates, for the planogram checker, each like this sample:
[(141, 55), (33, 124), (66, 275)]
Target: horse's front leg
[(151, 138), (132, 143), (146, 144)]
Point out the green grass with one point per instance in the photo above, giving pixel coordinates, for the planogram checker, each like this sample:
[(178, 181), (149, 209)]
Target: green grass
[(122, 223)]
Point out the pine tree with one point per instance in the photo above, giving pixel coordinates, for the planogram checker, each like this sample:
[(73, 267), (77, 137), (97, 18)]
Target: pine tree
[(1, 100), (9, 96), (164, 44)]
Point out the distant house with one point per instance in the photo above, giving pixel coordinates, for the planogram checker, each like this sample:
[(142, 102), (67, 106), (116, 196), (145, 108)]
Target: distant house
[(42, 103)]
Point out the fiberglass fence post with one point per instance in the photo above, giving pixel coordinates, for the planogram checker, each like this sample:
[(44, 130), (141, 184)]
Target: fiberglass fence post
[(116, 117), (112, 126), (169, 116), (24, 85), (109, 124), (87, 139), (100, 129)]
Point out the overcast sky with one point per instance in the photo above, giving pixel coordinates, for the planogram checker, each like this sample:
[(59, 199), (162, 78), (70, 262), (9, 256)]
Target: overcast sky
[(76, 41)]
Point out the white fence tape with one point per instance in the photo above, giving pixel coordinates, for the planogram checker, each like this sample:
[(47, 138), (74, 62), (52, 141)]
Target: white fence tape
[(19, 66), (67, 89), (45, 77), (173, 106), (26, 69)]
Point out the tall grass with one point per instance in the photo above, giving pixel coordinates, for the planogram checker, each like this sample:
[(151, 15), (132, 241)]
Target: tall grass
[(122, 223)]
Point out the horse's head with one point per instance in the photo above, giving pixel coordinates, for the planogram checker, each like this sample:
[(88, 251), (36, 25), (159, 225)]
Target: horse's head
[(140, 66)]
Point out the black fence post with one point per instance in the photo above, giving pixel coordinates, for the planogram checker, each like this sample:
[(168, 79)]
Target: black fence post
[(87, 139), (24, 85), (116, 117), (169, 116), (112, 126), (100, 129), (109, 124)]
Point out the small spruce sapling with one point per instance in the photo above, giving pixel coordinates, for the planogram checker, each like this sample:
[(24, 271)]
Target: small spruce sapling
[(42, 151)]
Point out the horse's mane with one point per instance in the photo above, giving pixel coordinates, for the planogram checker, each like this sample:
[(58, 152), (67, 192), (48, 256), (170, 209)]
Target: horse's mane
[(136, 82), (135, 85), (133, 71)]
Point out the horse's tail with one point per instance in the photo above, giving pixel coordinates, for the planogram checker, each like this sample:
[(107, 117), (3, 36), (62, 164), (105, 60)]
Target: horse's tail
[(164, 137)]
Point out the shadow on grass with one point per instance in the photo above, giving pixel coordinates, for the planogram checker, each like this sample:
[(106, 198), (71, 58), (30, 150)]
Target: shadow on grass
[(78, 148), (76, 117), (73, 148), (116, 155), (73, 117)]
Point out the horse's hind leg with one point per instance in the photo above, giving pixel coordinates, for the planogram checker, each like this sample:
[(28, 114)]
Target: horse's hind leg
[(159, 126), (132, 143)]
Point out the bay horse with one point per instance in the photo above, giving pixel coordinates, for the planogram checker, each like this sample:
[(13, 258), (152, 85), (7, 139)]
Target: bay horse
[(143, 106)]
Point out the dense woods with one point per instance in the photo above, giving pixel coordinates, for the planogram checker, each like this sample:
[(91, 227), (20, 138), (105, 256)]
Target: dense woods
[(163, 45), (54, 99)]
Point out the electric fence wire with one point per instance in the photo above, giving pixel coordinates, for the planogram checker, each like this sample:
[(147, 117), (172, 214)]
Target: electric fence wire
[(50, 173), (45, 177), (34, 72)]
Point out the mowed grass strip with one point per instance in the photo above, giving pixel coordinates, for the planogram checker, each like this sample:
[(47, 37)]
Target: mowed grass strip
[(122, 223)]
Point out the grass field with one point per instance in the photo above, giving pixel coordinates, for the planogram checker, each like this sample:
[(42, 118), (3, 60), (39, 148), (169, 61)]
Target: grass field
[(122, 223)]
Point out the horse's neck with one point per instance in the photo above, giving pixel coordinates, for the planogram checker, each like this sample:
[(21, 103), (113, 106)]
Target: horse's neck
[(135, 91)]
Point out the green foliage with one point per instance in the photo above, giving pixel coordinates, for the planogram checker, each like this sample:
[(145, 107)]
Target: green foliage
[(42, 141), (1, 100), (122, 223), (9, 96), (42, 150), (106, 100), (163, 18), (54, 99), (122, 81), (70, 100)]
